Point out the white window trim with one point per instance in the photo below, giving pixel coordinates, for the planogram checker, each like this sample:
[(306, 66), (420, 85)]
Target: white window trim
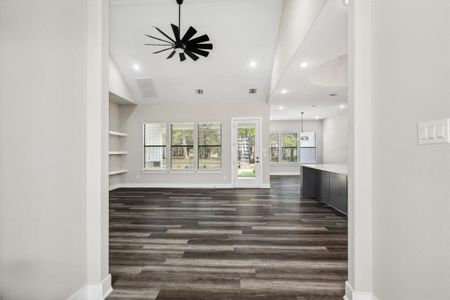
[(154, 170), (285, 163), (168, 169)]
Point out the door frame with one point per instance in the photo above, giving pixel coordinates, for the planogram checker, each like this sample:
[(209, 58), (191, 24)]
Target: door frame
[(258, 143), (360, 260)]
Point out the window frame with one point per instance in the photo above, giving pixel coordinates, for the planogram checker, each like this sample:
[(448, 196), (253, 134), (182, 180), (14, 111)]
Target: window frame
[(281, 148), (221, 146), (298, 160), (194, 148), (168, 168), (163, 170)]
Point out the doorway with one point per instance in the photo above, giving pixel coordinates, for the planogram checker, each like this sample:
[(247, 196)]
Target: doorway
[(246, 152)]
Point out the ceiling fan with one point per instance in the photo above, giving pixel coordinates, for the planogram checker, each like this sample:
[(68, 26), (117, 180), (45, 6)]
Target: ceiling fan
[(186, 45)]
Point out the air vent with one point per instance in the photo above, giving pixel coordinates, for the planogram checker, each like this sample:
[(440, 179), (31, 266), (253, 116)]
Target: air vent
[(147, 88), (333, 95), (199, 91), (252, 91)]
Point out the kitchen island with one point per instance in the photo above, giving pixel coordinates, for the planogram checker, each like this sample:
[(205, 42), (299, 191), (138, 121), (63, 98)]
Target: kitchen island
[(326, 183)]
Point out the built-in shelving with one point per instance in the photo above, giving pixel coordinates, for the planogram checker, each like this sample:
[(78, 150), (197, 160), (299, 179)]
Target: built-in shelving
[(118, 172), (118, 152), (116, 133), (114, 98)]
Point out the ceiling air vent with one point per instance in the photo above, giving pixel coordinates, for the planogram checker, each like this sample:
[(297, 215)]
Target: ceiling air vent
[(199, 91), (252, 91), (147, 88)]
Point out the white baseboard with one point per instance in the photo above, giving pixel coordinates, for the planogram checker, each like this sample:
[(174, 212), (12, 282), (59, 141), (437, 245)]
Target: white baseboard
[(181, 185), (178, 185), (286, 173), (107, 286), (350, 294), (94, 291)]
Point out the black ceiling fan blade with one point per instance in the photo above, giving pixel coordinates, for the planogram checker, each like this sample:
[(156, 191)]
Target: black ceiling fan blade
[(189, 34), (199, 51), (162, 32), (158, 39), (200, 39), (204, 46), (191, 55), (171, 54), (166, 45), (182, 57), (162, 50), (176, 32)]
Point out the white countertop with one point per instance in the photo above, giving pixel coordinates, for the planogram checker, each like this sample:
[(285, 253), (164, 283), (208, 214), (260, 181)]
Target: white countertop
[(334, 168)]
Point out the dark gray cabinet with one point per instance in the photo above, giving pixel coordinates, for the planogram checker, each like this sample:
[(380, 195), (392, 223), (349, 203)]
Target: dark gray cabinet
[(328, 187)]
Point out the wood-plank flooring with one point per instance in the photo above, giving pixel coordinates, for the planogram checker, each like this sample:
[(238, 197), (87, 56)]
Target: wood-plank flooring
[(225, 244)]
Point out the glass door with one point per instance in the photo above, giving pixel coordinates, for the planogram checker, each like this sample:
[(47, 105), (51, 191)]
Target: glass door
[(246, 152)]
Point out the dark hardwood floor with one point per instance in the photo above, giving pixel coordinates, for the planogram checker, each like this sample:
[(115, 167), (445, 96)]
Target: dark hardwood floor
[(225, 244)]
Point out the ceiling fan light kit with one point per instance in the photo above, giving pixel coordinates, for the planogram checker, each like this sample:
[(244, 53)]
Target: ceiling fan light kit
[(186, 45)]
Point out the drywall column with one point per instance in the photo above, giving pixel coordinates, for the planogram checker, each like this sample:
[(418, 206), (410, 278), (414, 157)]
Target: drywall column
[(411, 201), (97, 142), (42, 148), (360, 151)]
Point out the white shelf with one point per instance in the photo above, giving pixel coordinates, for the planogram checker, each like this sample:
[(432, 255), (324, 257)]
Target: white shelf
[(116, 133), (119, 100), (118, 172), (118, 153)]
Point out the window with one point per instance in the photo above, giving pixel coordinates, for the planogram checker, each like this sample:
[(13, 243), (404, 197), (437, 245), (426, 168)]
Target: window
[(209, 145), (155, 146), (288, 147), (274, 147), (308, 148), (182, 146)]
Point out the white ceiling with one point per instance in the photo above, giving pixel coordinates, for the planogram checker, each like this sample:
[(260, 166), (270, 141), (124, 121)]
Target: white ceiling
[(325, 49), (241, 31)]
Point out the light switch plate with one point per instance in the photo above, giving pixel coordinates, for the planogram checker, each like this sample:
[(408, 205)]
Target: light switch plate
[(434, 132)]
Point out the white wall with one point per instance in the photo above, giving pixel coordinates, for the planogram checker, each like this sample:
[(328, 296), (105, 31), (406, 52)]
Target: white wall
[(335, 139), (294, 126), (297, 18), (42, 148), (134, 117), (117, 84), (411, 191)]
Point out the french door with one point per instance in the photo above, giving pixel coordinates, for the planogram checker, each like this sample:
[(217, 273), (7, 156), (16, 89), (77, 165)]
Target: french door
[(246, 152)]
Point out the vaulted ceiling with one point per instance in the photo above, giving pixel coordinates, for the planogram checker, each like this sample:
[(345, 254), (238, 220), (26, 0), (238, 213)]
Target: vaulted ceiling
[(244, 34), (308, 89)]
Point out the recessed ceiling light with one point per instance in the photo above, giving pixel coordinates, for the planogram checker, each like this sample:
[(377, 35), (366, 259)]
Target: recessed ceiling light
[(253, 64), (284, 91), (199, 91), (136, 67), (346, 2), (341, 106), (281, 107), (270, 118), (333, 94), (304, 64), (317, 117)]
